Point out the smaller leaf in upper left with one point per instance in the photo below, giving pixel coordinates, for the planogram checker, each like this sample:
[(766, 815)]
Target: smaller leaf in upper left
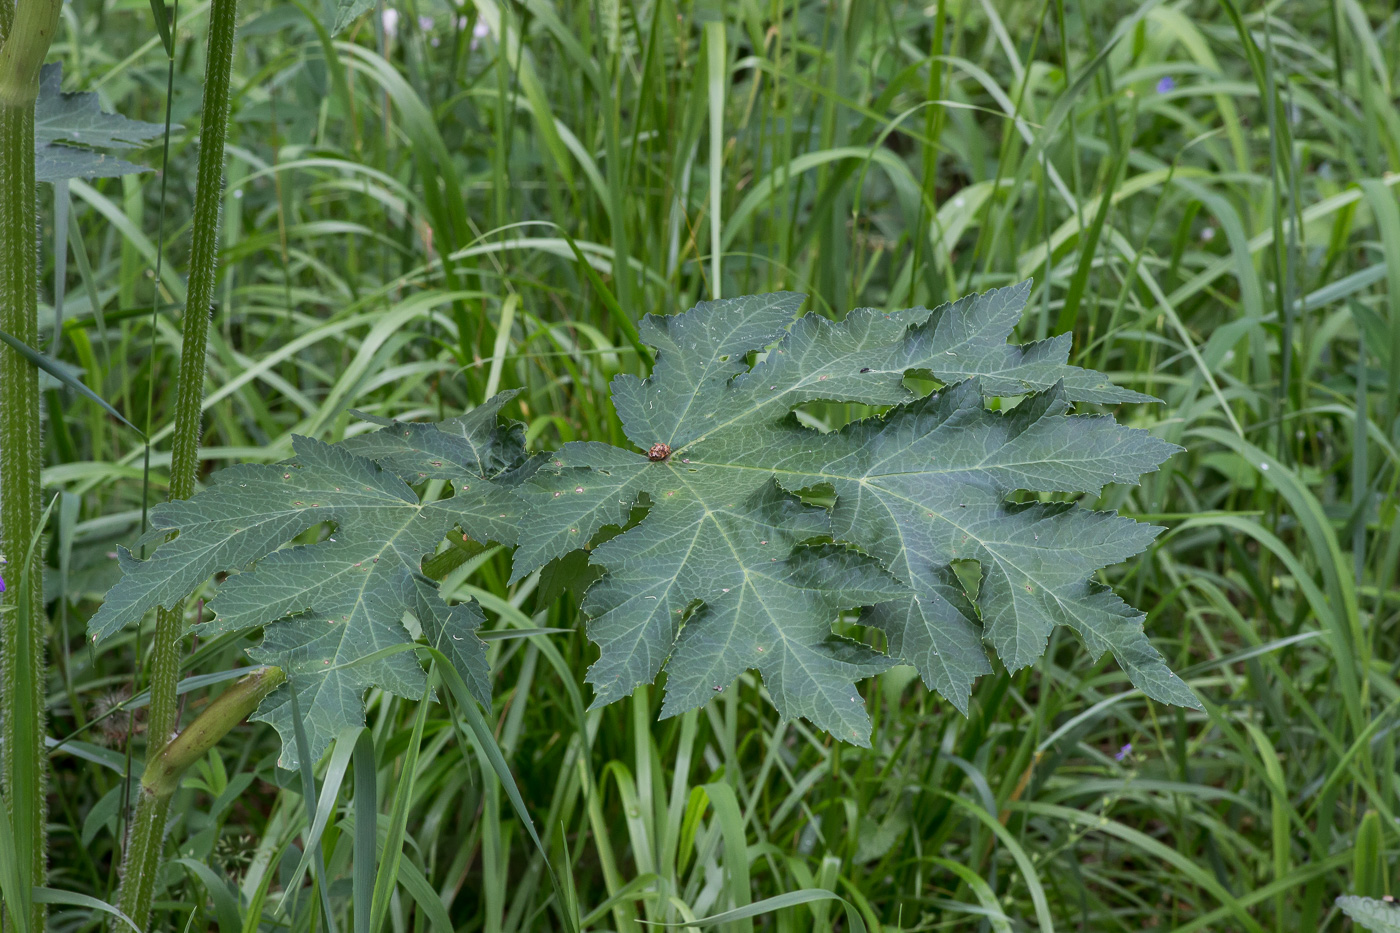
[(70, 128)]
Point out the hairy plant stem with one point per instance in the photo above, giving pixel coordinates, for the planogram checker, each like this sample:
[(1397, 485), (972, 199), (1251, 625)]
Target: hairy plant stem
[(161, 779), (28, 30), (148, 825)]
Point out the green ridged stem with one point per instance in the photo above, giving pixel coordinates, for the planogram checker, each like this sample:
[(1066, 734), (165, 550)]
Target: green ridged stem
[(28, 30), (148, 824)]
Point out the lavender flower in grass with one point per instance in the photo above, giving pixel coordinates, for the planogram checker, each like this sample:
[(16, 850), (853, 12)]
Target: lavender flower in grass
[(479, 31), (1166, 85), (1124, 752)]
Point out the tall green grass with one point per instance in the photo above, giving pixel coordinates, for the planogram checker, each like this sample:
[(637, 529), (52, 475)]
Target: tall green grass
[(416, 217)]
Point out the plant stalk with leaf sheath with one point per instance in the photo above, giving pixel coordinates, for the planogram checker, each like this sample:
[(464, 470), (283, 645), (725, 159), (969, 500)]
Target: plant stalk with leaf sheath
[(26, 32), (148, 825), (163, 771)]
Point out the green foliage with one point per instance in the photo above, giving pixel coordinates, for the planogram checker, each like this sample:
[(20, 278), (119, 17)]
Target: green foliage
[(917, 490), (1368, 857), (730, 570), (339, 14), (343, 599), (1378, 916), (416, 218), (70, 126)]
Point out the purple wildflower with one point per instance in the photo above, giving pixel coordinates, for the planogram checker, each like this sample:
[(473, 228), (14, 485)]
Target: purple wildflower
[(1124, 752), (1166, 85)]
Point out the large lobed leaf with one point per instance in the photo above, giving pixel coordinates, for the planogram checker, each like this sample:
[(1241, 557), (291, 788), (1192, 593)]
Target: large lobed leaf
[(730, 569), (339, 604), (917, 490)]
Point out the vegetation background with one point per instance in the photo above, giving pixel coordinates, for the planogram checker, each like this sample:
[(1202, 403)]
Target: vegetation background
[(488, 196)]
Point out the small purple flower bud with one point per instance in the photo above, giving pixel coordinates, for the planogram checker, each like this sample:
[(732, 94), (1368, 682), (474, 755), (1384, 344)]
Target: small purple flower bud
[(1124, 752), (1166, 85)]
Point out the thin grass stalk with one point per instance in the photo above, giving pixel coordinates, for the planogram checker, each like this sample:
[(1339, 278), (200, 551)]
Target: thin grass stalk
[(715, 78), (28, 31), (148, 825)]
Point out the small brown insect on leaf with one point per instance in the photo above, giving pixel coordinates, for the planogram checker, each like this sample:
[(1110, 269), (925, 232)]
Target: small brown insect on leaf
[(659, 452)]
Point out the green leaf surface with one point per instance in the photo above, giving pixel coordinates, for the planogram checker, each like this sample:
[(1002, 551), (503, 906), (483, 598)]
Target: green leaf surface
[(70, 127), (342, 13), (332, 610), (1378, 916), (722, 576)]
